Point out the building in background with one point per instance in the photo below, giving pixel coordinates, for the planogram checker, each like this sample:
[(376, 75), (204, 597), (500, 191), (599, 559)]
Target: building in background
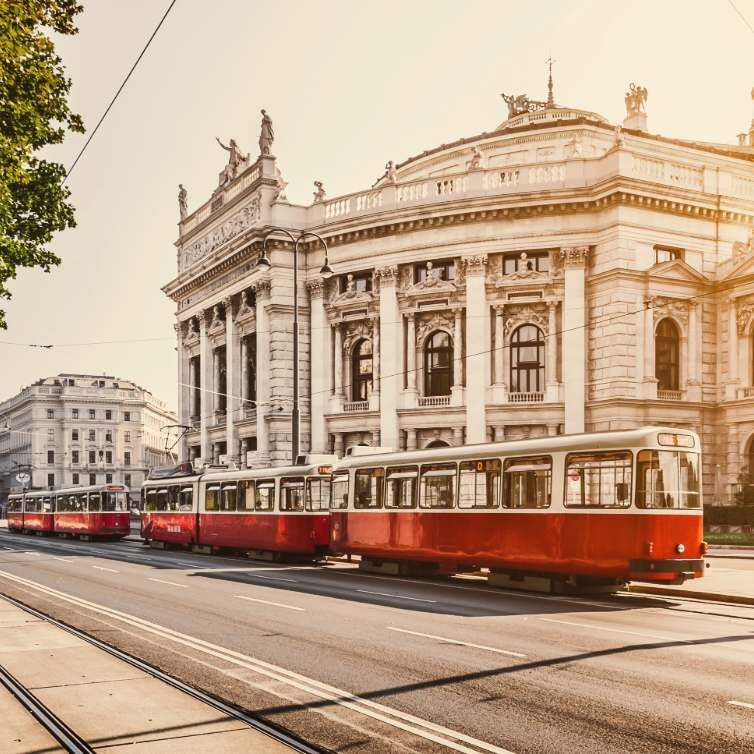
[(79, 429), (558, 273)]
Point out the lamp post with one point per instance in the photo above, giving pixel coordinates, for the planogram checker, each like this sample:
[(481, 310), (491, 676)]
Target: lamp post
[(327, 272)]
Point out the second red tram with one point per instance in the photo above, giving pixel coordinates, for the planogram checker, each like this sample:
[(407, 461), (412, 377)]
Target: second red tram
[(278, 511)]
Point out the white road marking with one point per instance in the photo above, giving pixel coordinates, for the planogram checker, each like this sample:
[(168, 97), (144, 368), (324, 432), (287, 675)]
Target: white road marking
[(455, 641), (267, 602), (614, 630), (102, 568), (396, 718), (31, 552), (272, 578), (171, 583), (741, 704), (397, 596), (62, 560)]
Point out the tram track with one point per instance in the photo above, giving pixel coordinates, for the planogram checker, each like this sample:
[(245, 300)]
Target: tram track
[(72, 742)]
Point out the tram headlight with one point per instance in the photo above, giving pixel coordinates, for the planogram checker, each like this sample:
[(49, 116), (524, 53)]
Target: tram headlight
[(680, 549)]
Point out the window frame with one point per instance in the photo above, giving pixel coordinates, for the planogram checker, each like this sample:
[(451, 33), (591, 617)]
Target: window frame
[(288, 483), (444, 374), (671, 369), (324, 485), (534, 257), (486, 463), (506, 483), (630, 493), (265, 484), (362, 383), (520, 374), (434, 470), (228, 501), (402, 474), (376, 490), (213, 487), (681, 495), (447, 269), (338, 478)]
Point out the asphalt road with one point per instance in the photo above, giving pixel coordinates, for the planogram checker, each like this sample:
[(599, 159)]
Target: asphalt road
[(363, 663)]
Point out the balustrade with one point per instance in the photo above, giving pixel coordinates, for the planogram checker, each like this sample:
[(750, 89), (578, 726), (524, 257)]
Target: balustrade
[(434, 400), (669, 395), (355, 407), (526, 397)]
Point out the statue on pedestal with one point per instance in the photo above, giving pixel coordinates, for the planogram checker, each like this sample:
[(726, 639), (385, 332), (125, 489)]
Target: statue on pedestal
[(235, 158), (182, 201), (636, 99), (266, 134), (319, 194)]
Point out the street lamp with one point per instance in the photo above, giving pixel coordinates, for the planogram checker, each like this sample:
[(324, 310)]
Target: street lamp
[(327, 272)]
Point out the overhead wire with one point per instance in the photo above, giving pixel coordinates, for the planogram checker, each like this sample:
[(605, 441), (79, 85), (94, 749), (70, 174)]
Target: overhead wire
[(741, 16)]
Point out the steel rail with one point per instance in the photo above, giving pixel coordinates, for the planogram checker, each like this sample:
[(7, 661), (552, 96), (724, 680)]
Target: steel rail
[(268, 729), (67, 737)]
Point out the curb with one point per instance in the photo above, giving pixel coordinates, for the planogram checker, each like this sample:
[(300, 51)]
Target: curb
[(748, 548), (737, 599)]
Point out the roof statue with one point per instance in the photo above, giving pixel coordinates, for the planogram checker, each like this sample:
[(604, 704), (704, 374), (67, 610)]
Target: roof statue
[(235, 159), (182, 201), (636, 99), (520, 103), (319, 193), (266, 134)]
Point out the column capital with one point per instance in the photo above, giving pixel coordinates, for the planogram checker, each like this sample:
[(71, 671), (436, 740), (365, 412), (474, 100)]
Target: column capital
[(574, 257), (227, 302), (201, 317), (316, 288), (262, 289), (387, 275), (410, 316), (552, 305), (475, 264)]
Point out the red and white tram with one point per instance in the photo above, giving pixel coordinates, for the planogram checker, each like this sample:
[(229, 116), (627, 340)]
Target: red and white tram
[(597, 509), (35, 513), (96, 511), (15, 513), (277, 511)]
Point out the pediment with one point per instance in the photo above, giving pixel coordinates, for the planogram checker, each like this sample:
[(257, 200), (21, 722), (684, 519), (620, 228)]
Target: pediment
[(352, 298), (431, 286), (677, 269), (740, 265)]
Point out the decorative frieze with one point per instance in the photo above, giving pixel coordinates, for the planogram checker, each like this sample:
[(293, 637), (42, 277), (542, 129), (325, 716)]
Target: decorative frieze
[(525, 314), (744, 316), (663, 306), (428, 324), (476, 264), (574, 256), (356, 331)]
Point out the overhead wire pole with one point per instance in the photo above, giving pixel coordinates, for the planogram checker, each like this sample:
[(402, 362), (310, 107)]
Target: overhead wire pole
[(117, 94)]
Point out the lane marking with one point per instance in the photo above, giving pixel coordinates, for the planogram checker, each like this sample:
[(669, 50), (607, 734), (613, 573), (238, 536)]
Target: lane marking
[(396, 718), (102, 568), (614, 630), (455, 641), (741, 704), (62, 560), (267, 602), (272, 578), (397, 596), (171, 583)]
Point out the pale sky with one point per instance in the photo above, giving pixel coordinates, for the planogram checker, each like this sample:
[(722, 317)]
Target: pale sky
[(349, 85)]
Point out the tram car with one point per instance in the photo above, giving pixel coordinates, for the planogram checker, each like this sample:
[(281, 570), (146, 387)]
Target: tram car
[(15, 513), (99, 511), (35, 513), (588, 509), (273, 513)]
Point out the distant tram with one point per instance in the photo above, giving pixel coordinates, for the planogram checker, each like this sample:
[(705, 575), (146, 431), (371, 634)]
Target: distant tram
[(275, 513), (98, 511), (587, 509)]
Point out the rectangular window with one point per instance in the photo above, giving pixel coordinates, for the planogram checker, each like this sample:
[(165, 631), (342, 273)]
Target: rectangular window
[(114, 501), (339, 492), (401, 483), (317, 494), (75, 435), (479, 484), (92, 435), (127, 480), (108, 456), (150, 501), (126, 416), (442, 269), (667, 254), (127, 437), (598, 480), (173, 498), (162, 499), (228, 497), (367, 489), (360, 282), (94, 501), (50, 456), (528, 482), (186, 499), (75, 477), (108, 478), (92, 456), (74, 413), (127, 458), (92, 479), (438, 482), (92, 413), (245, 499), (50, 413), (667, 479), (264, 495), (292, 493), (108, 415), (108, 436), (535, 261), (212, 498), (51, 434)]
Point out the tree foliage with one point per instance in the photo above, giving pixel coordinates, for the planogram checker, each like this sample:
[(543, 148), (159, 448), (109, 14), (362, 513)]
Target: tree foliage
[(34, 112)]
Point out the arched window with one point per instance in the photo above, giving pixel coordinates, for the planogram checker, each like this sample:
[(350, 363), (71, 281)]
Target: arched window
[(666, 355), (527, 360), (436, 444), (361, 371), (438, 364)]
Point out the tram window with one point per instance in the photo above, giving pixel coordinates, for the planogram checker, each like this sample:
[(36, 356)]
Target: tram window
[(173, 498), (77, 503), (317, 494), (264, 497), (479, 484), (438, 481), (150, 500), (245, 501), (339, 492), (667, 479), (228, 498), (598, 480), (115, 501), (47, 504), (367, 492), (94, 501), (528, 482), (292, 493), (162, 499), (186, 499), (400, 487), (212, 499)]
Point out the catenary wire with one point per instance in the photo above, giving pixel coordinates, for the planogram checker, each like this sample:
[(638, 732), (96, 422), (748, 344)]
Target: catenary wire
[(741, 16), (117, 93)]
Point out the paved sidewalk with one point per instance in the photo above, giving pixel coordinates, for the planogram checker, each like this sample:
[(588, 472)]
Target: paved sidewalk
[(113, 705)]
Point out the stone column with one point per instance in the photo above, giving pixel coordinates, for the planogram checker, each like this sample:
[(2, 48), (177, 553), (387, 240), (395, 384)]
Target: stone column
[(410, 439), (552, 429), (184, 396), (338, 447), (499, 433), (215, 379), (244, 376), (411, 371), (232, 382), (499, 346), (458, 348), (338, 360), (374, 400), (551, 358), (574, 337), (457, 436), (244, 451), (650, 381), (205, 365), (477, 351), (732, 386), (390, 355), (375, 438), (318, 364), (262, 291)]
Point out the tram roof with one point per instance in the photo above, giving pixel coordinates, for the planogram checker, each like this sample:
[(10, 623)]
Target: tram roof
[(612, 440)]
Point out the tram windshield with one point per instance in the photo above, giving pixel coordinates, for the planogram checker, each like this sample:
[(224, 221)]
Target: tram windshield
[(115, 501), (339, 491), (668, 479)]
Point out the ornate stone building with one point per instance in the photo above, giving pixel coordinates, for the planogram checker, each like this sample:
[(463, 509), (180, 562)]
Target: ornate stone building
[(556, 274)]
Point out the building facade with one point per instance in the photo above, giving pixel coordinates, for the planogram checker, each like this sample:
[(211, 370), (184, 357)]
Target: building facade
[(557, 274), (75, 429)]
